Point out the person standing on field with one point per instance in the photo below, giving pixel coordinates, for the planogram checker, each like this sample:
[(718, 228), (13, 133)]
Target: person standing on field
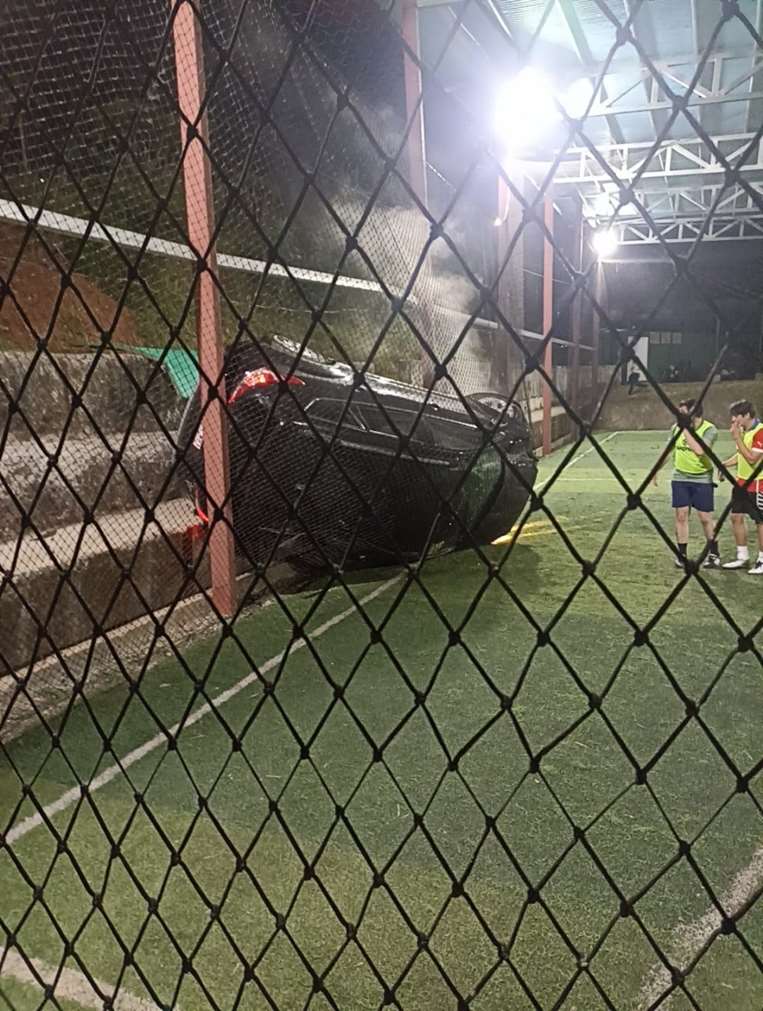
[(692, 484), (747, 493)]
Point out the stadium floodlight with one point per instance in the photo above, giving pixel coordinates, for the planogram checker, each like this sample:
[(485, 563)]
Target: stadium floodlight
[(605, 242), (526, 110)]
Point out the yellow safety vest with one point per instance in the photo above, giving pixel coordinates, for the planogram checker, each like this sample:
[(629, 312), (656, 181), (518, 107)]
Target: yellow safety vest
[(686, 460), (745, 469)]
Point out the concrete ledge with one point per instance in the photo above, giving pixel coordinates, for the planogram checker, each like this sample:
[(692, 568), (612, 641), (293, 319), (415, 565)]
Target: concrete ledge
[(41, 576), (644, 411), (84, 464), (44, 688), (106, 388)]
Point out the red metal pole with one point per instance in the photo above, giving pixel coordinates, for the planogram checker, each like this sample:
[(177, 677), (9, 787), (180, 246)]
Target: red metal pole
[(601, 299), (503, 238), (417, 158), (576, 321), (548, 316), (197, 179)]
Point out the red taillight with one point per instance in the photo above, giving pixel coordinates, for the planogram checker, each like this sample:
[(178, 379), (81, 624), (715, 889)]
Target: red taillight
[(260, 378)]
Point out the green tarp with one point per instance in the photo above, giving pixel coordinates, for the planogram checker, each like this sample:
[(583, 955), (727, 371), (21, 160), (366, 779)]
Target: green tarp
[(180, 365)]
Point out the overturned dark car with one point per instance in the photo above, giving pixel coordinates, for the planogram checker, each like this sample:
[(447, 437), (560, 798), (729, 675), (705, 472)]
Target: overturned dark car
[(328, 468)]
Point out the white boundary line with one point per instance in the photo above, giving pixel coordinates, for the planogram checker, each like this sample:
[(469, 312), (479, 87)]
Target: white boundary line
[(576, 460), (68, 984), (69, 225), (72, 796), (689, 938), (24, 214)]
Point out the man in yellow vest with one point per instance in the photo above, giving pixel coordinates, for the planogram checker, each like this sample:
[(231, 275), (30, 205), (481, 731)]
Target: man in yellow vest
[(747, 493), (692, 484)]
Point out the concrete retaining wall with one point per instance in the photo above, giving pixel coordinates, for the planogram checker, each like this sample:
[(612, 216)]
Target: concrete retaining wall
[(108, 475), (120, 390), (643, 411), (563, 427), (64, 581), (72, 585)]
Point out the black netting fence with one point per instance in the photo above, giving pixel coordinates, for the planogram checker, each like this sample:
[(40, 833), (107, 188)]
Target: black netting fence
[(348, 656)]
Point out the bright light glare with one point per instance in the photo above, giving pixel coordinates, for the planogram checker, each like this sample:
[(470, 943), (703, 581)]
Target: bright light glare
[(604, 242), (578, 98), (603, 203), (526, 109)]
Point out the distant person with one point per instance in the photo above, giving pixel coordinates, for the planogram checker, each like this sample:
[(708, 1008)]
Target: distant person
[(635, 379), (747, 493), (692, 481)]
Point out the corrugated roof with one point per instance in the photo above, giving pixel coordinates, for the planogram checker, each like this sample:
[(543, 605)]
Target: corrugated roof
[(574, 38)]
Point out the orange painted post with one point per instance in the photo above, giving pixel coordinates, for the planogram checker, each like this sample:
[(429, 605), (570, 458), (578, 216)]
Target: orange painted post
[(417, 158), (576, 321), (600, 293), (200, 216), (510, 288), (503, 228), (548, 316)]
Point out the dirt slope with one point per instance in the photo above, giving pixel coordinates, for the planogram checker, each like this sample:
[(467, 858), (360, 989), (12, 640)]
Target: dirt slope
[(32, 304)]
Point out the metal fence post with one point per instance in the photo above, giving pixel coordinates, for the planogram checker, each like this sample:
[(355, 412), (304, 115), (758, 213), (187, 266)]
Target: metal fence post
[(197, 179), (510, 287), (417, 159), (600, 295), (548, 315), (576, 318)]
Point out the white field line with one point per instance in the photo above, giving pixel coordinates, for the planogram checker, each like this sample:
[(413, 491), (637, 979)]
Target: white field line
[(577, 459), (72, 796), (68, 984), (689, 938)]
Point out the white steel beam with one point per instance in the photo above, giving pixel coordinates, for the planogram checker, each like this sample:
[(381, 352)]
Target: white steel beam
[(678, 72), (693, 101), (721, 228), (583, 50), (688, 162)]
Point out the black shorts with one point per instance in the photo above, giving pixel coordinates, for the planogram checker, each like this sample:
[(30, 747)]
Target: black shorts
[(747, 503)]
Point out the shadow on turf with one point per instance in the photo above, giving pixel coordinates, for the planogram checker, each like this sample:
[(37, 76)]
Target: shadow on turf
[(521, 568)]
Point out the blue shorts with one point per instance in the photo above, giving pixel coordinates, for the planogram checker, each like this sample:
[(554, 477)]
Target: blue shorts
[(697, 494)]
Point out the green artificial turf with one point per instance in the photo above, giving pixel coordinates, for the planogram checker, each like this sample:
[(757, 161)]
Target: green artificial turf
[(364, 842), (27, 995)]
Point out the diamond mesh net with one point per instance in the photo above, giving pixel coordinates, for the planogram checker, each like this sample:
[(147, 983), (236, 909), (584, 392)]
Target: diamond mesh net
[(297, 706)]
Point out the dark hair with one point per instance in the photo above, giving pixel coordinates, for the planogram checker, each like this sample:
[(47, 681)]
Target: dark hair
[(692, 407), (742, 407)]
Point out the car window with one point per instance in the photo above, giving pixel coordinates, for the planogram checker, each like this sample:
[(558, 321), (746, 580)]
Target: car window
[(455, 432), (404, 422), (330, 411)]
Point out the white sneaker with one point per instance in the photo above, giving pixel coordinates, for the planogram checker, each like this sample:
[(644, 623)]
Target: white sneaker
[(712, 562), (738, 563), (757, 569)]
